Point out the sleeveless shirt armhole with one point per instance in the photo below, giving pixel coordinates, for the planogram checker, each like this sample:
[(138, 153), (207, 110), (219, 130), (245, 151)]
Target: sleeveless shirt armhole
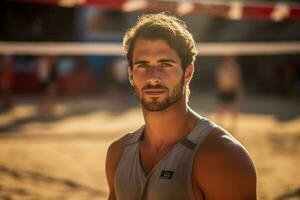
[(206, 132), (125, 139), (128, 139)]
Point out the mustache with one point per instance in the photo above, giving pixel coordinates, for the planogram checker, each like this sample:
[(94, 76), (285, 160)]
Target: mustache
[(158, 86)]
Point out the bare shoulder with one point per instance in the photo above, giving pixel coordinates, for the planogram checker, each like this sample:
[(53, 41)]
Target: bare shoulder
[(222, 145), (224, 168), (115, 149)]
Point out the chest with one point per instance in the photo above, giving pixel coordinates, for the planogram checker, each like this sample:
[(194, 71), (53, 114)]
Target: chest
[(150, 157), (160, 175)]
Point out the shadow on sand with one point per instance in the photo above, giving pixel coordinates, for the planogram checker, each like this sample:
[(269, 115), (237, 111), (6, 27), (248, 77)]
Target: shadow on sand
[(290, 195), (74, 108), (70, 187)]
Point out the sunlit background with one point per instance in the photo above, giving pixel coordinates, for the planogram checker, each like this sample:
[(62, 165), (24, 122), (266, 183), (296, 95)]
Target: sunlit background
[(65, 95)]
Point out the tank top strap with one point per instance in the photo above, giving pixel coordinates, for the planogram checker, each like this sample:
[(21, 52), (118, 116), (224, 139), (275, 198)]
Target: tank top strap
[(134, 137), (197, 137), (200, 131)]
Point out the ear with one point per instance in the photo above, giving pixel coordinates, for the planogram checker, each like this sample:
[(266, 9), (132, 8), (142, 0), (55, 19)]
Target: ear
[(188, 74), (130, 76)]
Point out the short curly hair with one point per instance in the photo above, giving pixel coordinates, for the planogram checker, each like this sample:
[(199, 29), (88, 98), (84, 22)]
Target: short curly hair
[(166, 27)]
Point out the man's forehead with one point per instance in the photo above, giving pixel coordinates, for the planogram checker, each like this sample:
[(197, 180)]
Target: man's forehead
[(158, 41), (157, 46)]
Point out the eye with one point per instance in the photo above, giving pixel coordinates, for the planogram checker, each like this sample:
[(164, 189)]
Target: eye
[(166, 65), (141, 65)]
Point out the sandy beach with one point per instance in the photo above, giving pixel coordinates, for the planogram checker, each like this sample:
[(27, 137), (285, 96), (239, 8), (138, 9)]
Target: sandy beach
[(63, 158)]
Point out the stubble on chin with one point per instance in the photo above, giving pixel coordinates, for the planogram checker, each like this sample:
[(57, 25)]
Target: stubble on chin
[(155, 105)]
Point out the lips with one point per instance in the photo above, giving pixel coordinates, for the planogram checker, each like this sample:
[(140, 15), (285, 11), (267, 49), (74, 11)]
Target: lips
[(154, 92)]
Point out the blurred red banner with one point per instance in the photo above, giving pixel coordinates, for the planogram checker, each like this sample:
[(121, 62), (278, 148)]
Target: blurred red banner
[(232, 10)]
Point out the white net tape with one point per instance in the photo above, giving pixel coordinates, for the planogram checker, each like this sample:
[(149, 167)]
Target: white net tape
[(103, 49)]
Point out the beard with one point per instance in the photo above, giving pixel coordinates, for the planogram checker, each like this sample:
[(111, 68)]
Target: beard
[(156, 105)]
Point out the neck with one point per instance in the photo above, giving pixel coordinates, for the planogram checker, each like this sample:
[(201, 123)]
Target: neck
[(167, 127)]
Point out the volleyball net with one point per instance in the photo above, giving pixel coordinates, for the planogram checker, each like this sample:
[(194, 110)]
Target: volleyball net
[(116, 49)]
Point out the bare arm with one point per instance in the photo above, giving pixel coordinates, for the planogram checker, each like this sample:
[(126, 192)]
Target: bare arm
[(224, 170), (112, 158)]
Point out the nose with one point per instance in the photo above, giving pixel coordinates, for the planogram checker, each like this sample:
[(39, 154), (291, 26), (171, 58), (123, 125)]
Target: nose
[(153, 81), (154, 77)]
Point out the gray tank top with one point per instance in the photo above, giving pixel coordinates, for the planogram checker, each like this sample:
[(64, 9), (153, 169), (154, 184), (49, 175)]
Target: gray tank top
[(170, 178)]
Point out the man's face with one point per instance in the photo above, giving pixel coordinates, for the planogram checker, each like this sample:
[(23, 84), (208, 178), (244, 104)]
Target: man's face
[(156, 75)]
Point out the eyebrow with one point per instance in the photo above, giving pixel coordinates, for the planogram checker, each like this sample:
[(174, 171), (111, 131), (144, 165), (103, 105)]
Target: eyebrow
[(160, 61), (140, 62), (167, 60)]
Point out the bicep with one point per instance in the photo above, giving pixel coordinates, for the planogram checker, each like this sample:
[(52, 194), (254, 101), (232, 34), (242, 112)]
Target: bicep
[(231, 185), (230, 175)]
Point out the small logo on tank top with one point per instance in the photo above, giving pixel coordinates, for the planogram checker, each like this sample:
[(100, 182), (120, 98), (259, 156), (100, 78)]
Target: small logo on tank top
[(166, 174)]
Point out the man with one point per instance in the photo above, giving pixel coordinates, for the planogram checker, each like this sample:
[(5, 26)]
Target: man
[(177, 154), (229, 91)]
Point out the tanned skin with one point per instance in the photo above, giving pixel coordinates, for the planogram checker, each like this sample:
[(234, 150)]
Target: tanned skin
[(222, 167)]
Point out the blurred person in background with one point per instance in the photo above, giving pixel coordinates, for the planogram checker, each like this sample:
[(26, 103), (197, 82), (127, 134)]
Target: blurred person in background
[(47, 77), (229, 92), (118, 80), (176, 154), (6, 82)]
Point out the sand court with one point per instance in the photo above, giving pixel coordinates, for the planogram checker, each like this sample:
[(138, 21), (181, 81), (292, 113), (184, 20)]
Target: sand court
[(64, 157)]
